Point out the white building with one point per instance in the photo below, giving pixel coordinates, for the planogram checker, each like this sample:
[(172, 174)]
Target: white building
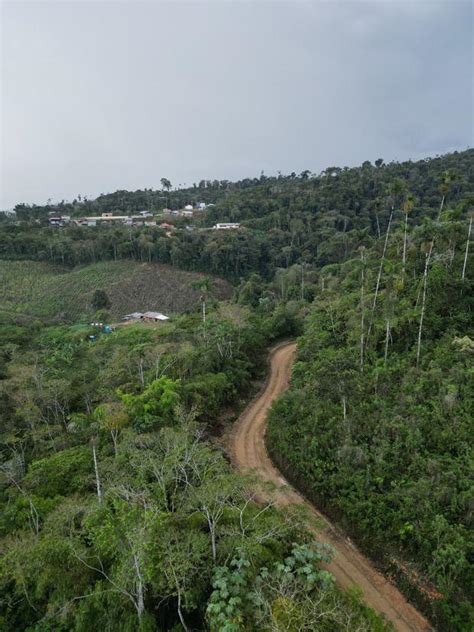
[(108, 218), (226, 226), (154, 316), (59, 220)]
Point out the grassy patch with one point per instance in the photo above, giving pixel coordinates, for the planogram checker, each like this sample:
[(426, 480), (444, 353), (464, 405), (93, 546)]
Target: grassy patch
[(44, 291)]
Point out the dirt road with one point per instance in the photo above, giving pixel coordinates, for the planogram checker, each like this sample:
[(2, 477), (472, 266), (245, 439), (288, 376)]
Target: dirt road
[(349, 566)]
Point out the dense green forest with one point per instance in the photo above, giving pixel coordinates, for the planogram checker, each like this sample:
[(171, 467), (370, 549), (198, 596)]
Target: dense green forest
[(377, 427), (310, 219), (118, 511)]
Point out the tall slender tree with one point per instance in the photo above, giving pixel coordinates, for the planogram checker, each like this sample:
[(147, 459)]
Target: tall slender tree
[(448, 178), (362, 308), (396, 189), (165, 184), (423, 300), (407, 207), (466, 253), (96, 469), (205, 286)]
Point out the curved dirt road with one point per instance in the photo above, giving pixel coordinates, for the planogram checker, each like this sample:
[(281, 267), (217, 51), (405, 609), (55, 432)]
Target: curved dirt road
[(349, 566)]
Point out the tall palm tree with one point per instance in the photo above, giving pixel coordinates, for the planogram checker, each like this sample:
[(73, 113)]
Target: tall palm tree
[(466, 253), (395, 191), (204, 285), (165, 184), (447, 180), (362, 314), (449, 177), (407, 207)]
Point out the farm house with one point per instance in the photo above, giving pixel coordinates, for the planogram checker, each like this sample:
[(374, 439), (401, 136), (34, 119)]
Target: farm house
[(154, 316), (148, 316)]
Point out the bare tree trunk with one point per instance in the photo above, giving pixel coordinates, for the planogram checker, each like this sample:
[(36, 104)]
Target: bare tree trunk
[(451, 253), (378, 225), (418, 296), (180, 612), (140, 373), (212, 529), (347, 425), (302, 281), (178, 594), (405, 243), (96, 469), (379, 276), (203, 308), (331, 318), (441, 207), (467, 250), (140, 603), (362, 313), (387, 338), (34, 516), (423, 302), (88, 403)]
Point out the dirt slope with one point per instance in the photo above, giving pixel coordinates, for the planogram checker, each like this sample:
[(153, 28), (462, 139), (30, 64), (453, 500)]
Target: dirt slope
[(349, 566)]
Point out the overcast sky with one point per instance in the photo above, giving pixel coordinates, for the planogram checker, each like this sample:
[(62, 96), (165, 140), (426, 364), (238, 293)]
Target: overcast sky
[(97, 96)]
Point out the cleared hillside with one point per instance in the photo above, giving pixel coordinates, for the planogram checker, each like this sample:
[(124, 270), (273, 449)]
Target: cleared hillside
[(41, 290)]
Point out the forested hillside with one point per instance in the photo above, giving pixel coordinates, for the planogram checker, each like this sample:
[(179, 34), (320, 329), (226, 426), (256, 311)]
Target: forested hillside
[(118, 511), (310, 219), (377, 427)]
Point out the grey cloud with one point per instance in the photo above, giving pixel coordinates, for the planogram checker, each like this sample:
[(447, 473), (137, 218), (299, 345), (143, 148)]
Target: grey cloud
[(105, 95)]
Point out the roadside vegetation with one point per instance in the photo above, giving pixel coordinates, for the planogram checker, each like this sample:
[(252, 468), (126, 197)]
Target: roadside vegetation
[(377, 427)]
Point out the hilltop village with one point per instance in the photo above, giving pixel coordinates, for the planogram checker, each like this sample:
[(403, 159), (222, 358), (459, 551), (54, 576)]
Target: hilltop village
[(143, 218)]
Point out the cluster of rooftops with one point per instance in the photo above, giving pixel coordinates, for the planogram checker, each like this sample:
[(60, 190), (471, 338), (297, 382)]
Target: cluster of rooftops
[(143, 217)]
